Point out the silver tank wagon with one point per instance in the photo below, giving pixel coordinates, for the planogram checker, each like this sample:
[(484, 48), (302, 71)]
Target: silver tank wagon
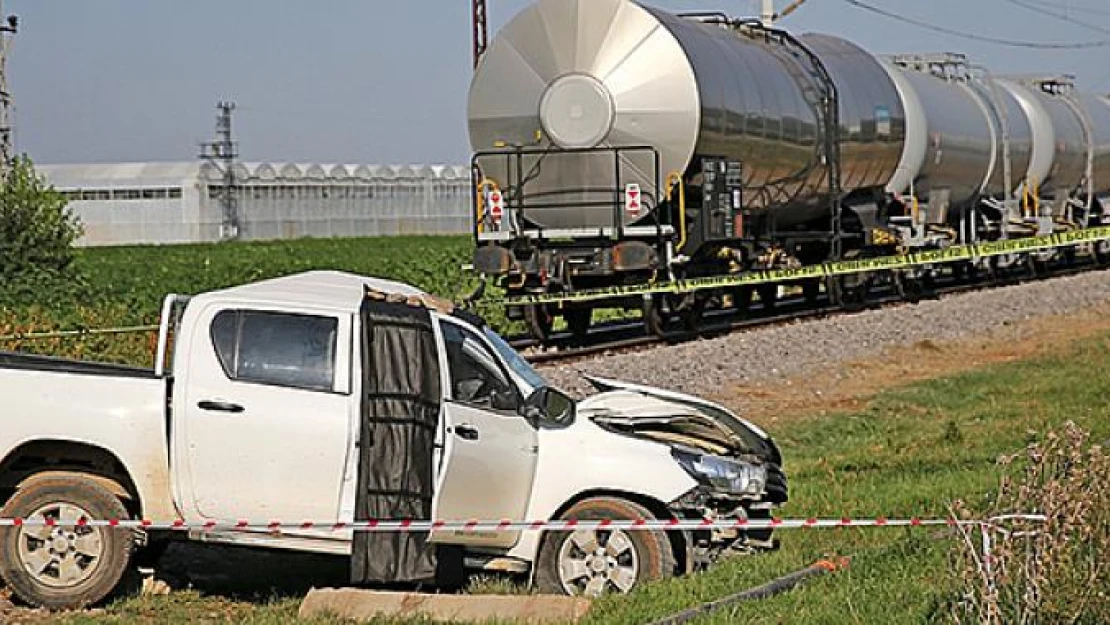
[(584, 113)]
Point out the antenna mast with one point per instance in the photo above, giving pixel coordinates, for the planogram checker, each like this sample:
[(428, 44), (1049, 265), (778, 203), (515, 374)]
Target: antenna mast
[(767, 16), (8, 26), (223, 153), (481, 30)]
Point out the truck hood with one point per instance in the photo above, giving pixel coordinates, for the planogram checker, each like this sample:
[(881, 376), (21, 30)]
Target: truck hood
[(676, 419)]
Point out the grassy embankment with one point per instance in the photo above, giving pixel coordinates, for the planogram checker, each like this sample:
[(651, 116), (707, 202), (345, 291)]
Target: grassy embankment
[(124, 286), (910, 451)]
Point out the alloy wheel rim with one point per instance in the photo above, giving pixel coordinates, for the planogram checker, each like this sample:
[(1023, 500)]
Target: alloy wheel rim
[(63, 554), (592, 563)]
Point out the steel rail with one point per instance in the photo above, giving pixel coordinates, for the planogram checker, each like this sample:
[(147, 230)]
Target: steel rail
[(796, 311)]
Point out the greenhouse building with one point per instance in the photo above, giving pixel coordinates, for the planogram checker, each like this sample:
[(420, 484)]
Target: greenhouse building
[(166, 203)]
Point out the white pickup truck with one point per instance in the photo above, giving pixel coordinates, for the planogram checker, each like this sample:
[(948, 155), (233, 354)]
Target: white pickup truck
[(255, 410)]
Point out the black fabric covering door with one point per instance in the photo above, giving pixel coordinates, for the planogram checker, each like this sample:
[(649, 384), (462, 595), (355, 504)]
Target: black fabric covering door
[(400, 411)]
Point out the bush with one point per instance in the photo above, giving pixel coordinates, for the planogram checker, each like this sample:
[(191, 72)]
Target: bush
[(37, 232), (1051, 572)]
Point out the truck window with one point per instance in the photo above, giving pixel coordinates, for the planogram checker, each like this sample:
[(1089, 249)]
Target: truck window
[(296, 351), (474, 369)]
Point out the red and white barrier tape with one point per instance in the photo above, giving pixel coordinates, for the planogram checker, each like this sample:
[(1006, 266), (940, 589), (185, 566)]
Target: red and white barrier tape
[(502, 526)]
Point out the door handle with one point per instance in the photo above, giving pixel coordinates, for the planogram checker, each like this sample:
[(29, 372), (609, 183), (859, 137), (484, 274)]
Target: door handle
[(220, 406), (467, 432)]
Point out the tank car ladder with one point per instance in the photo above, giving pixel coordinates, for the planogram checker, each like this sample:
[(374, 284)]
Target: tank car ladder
[(820, 92)]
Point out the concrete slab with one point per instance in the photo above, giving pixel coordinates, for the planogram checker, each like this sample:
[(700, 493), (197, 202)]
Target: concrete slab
[(365, 605)]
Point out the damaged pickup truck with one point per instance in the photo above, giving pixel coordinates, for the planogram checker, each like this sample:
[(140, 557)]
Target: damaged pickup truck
[(331, 397)]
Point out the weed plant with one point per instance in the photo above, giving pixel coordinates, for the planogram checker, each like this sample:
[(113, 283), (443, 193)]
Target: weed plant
[(1050, 572)]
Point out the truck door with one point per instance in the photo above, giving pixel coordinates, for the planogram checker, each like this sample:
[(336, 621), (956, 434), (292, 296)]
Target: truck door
[(265, 414), (490, 451)]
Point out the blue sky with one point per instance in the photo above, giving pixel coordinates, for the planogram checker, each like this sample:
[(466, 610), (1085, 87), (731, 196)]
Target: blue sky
[(373, 81)]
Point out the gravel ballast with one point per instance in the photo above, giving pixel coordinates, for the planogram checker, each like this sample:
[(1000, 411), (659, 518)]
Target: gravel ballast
[(711, 366)]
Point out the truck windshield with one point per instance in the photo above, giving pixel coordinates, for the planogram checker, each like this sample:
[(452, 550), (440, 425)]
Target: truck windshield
[(515, 361)]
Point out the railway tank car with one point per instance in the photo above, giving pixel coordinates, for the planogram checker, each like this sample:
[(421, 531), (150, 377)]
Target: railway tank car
[(619, 144)]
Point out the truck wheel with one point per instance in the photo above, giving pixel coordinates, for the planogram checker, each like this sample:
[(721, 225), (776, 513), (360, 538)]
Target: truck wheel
[(592, 563), (62, 567)]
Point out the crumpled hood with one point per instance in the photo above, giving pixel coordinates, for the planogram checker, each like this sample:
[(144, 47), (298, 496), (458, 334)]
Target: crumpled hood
[(675, 418)]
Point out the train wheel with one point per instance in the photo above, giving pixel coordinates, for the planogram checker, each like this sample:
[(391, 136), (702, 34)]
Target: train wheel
[(742, 299), (1067, 255), (539, 321), (1100, 251), (853, 292), (655, 318), (1035, 266), (769, 296), (578, 322), (910, 289), (992, 271), (692, 314), (660, 311), (965, 272), (811, 292)]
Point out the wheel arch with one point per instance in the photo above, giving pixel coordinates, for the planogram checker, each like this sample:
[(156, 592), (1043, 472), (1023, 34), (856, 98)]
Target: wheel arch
[(61, 457)]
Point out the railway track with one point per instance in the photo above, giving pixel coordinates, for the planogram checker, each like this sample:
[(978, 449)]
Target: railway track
[(631, 336)]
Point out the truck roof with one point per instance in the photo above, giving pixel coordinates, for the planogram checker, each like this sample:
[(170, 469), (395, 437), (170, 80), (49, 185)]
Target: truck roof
[(330, 289)]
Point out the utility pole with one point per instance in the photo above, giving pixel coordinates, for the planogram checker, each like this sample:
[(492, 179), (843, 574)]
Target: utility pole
[(223, 154), (8, 26), (481, 30), (767, 16)]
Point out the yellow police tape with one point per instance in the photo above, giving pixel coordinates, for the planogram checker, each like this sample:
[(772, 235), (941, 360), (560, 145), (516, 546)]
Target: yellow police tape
[(827, 270)]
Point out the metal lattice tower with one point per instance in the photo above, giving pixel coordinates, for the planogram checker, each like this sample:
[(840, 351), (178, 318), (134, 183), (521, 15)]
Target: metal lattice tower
[(8, 26), (481, 30), (223, 153)]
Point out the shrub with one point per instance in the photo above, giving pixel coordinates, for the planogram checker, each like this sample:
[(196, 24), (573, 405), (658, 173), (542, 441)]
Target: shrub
[(37, 232), (1051, 572)]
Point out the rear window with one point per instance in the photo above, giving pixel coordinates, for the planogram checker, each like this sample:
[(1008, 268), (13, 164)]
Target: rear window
[(279, 349)]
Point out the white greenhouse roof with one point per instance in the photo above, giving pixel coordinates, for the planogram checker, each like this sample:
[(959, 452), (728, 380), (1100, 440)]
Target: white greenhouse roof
[(112, 175)]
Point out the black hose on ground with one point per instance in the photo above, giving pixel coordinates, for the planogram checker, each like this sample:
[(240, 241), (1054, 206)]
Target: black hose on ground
[(770, 589)]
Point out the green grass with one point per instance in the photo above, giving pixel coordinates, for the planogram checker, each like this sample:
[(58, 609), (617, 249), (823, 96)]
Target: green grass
[(911, 451), (141, 276), (124, 286)]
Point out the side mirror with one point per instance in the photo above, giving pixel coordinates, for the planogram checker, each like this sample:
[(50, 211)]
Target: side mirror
[(551, 405)]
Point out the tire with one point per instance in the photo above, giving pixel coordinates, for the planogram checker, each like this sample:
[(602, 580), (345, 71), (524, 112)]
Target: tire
[(640, 556), (93, 559)]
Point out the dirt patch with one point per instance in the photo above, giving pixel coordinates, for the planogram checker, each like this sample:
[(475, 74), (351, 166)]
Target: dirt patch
[(849, 386)]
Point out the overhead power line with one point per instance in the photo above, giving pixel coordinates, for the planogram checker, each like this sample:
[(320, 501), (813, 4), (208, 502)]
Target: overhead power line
[(1068, 6), (1013, 43), (1029, 6)]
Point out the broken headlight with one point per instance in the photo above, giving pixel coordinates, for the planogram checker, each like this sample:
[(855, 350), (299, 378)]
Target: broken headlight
[(722, 474)]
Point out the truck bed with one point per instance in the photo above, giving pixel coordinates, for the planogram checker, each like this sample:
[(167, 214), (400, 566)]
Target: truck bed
[(30, 362), (111, 408)]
